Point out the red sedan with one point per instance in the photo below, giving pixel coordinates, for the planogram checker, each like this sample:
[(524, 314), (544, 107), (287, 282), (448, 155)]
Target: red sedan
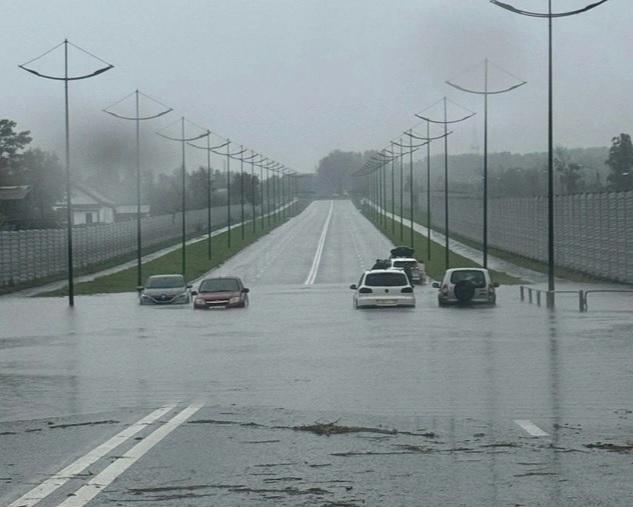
[(225, 292)]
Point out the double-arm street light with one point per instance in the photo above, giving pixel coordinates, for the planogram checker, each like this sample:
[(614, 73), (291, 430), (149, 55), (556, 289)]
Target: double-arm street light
[(427, 142), (486, 92), (137, 118), (446, 122), (209, 149), (183, 140), (549, 15), (66, 78)]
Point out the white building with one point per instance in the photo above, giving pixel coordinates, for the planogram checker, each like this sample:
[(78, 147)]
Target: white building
[(88, 206)]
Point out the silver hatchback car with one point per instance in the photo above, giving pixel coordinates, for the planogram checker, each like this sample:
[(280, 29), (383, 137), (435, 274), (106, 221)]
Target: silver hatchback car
[(465, 286), (383, 288)]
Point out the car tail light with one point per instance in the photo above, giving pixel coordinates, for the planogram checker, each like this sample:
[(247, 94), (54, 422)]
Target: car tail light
[(365, 290), (407, 290), (444, 289)]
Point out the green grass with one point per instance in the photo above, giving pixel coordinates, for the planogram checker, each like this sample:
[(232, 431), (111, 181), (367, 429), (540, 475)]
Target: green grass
[(434, 266), (198, 262)]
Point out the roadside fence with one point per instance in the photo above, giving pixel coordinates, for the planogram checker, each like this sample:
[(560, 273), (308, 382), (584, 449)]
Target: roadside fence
[(28, 255)]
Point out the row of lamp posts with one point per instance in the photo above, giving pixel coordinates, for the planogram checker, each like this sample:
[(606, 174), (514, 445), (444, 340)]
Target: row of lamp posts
[(282, 180), (376, 165)]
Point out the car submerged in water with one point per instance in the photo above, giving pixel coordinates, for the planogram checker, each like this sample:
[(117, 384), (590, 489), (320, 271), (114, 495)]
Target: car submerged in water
[(383, 288), (224, 292), (466, 286), (165, 290)]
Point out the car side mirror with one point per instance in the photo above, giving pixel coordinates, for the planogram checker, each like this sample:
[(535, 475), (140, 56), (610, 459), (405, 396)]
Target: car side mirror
[(245, 290), (353, 286), (189, 286), (194, 292), (495, 284), (140, 288), (435, 285)]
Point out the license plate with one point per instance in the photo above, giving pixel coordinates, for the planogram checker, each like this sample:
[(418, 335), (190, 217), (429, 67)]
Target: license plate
[(386, 302)]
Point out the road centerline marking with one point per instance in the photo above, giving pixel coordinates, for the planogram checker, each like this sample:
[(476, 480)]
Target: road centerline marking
[(319, 251), (103, 479), (69, 472), (531, 428)]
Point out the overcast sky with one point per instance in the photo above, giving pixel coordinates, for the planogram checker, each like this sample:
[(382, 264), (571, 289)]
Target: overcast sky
[(295, 79)]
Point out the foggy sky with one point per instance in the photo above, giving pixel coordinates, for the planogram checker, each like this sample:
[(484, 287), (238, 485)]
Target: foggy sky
[(295, 79)]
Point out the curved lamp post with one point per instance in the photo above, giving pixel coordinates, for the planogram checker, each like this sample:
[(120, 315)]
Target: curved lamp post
[(66, 79), (183, 139), (549, 15), (446, 122), (485, 92), (138, 119), (209, 149)]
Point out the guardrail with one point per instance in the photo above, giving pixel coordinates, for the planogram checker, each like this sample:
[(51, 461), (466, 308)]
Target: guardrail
[(535, 295), (550, 296)]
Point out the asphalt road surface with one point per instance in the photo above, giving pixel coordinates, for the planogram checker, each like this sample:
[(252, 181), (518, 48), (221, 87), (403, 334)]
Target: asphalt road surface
[(302, 400)]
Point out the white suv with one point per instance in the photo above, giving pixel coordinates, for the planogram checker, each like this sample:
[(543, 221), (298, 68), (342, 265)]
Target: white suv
[(466, 285), (383, 287), (413, 269)]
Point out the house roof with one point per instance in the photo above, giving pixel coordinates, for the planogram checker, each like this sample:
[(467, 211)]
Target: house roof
[(95, 195), (14, 193)]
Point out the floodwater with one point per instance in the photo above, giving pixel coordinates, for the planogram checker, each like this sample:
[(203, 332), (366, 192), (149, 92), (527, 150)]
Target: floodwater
[(456, 384)]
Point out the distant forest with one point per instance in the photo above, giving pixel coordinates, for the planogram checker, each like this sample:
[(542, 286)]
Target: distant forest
[(510, 174)]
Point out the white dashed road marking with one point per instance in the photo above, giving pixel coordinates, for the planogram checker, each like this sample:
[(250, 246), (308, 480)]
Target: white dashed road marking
[(63, 476), (531, 428)]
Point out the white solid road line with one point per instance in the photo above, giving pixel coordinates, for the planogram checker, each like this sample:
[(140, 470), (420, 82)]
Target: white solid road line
[(60, 478), (86, 493), (531, 428), (319, 251)]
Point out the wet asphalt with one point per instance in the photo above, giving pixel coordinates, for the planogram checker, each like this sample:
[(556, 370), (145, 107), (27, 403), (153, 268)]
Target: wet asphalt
[(301, 400)]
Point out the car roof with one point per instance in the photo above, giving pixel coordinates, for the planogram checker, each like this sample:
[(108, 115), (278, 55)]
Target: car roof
[(398, 259), (221, 278), (390, 270), (166, 276), (451, 270)]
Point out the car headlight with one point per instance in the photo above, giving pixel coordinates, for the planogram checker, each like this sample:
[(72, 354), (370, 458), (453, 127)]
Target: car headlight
[(145, 297), (200, 301), (234, 300)]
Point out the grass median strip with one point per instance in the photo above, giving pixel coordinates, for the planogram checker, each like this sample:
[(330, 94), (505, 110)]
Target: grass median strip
[(434, 266), (198, 262)]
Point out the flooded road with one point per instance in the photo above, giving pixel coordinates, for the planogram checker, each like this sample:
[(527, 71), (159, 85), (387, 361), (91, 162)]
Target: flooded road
[(510, 405)]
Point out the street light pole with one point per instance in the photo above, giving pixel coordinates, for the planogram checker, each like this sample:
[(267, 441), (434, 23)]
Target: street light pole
[(183, 140), (550, 133), (486, 92), (445, 122), (209, 149), (137, 118), (66, 78)]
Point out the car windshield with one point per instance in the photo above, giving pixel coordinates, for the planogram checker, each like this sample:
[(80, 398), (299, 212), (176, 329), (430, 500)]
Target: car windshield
[(475, 277), (165, 282), (386, 280), (219, 285), (405, 264)]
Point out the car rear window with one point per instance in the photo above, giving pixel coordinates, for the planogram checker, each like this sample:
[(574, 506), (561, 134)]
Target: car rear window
[(219, 285), (386, 280), (405, 264), (475, 277), (165, 282)]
